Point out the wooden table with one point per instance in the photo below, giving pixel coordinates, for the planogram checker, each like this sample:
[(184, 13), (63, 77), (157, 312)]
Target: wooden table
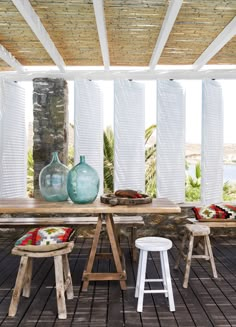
[(103, 211)]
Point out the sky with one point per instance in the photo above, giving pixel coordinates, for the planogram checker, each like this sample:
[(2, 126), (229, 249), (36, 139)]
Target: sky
[(193, 107)]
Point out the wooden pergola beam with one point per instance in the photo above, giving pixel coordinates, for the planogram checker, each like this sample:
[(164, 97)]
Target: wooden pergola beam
[(10, 59), (170, 17), (224, 37), (102, 33), (32, 19)]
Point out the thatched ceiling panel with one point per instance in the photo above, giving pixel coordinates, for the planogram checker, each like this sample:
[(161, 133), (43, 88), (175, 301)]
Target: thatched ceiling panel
[(227, 55), (197, 25), (18, 39), (4, 66), (133, 28), (72, 27)]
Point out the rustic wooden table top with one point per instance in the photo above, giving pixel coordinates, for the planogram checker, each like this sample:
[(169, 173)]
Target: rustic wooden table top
[(29, 205)]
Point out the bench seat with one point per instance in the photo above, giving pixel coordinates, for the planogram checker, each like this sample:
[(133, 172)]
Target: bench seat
[(225, 223), (32, 221)]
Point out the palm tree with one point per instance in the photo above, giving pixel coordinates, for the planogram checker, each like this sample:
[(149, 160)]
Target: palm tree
[(30, 174), (150, 162), (193, 184), (108, 160)]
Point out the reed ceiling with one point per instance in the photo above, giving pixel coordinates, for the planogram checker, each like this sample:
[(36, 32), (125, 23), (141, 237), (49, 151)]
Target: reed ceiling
[(132, 30)]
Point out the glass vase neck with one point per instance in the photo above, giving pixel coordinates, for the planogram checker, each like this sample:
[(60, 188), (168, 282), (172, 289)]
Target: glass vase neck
[(55, 157), (82, 159)]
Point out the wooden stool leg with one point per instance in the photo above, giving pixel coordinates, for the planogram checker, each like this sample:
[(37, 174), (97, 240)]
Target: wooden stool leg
[(28, 277), (142, 281), (18, 287), (212, 261), (206, 252), (60, 289), (181, 251), (133, 236), (67, 277), (188, 261)]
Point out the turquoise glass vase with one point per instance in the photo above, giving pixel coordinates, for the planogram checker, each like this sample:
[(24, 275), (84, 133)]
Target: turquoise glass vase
[(53, 180), (83, 183)]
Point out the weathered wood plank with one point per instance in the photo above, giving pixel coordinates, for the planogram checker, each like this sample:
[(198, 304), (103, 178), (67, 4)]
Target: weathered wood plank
[(35, 206)]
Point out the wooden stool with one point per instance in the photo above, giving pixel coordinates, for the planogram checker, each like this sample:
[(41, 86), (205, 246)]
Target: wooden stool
[(161, 245), (62, 276), (191, 232)]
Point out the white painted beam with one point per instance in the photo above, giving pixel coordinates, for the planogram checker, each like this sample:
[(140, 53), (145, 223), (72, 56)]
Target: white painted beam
[(32, 19), (162, 72), (224, 37), (102, 33), (169, 20), (10, 59)]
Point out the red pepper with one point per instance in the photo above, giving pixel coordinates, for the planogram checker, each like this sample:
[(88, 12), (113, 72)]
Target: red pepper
[(138, 195)]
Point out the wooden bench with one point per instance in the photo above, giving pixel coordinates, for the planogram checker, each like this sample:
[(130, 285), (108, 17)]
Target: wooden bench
[(223, 223), (131, 222)]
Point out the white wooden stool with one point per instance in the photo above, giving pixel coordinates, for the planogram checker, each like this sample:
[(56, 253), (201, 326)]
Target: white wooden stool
[(191, 232), (62, 276), (158, 244)]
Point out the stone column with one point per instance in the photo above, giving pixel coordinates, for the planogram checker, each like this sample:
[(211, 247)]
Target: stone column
[(50, 98)]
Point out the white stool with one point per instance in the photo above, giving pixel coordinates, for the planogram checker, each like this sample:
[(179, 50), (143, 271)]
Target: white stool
[(161, 245)]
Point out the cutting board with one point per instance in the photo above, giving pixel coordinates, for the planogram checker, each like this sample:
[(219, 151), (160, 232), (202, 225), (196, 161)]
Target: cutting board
[(112, 199)]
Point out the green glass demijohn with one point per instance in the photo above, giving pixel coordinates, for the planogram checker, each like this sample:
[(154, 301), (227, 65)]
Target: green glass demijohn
[(53, 180), (83, 183)]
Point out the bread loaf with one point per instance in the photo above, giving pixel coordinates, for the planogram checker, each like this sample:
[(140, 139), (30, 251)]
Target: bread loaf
[(128, 194)]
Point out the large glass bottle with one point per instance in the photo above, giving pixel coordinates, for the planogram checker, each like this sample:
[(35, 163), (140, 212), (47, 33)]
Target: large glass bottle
[(83, 183), (53, 180)]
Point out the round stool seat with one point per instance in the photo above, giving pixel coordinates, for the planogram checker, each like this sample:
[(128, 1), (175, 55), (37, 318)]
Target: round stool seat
[(153, 243)]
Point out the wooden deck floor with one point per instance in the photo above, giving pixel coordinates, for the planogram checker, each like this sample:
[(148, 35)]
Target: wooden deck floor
[(206, 302)]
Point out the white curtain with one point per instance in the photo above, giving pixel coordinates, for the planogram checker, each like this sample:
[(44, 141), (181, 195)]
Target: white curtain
[(88, 113), (13, 146), (212, 142), (129, 135), (171, 140)]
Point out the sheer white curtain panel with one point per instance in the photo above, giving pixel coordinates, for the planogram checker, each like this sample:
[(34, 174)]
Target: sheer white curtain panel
[(13, 143), (129, 135), (171, 140), (88, 128), (212, 142)]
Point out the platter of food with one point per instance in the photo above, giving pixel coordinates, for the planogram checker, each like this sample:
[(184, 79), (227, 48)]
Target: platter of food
[(125, 197)]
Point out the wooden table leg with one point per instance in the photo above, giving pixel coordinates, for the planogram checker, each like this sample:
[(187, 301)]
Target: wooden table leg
[(92, 254), (120, 273), (115, 234), (116, 251)]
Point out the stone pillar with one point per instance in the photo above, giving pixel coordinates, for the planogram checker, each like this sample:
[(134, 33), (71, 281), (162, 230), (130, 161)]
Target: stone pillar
[(50, 98)]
